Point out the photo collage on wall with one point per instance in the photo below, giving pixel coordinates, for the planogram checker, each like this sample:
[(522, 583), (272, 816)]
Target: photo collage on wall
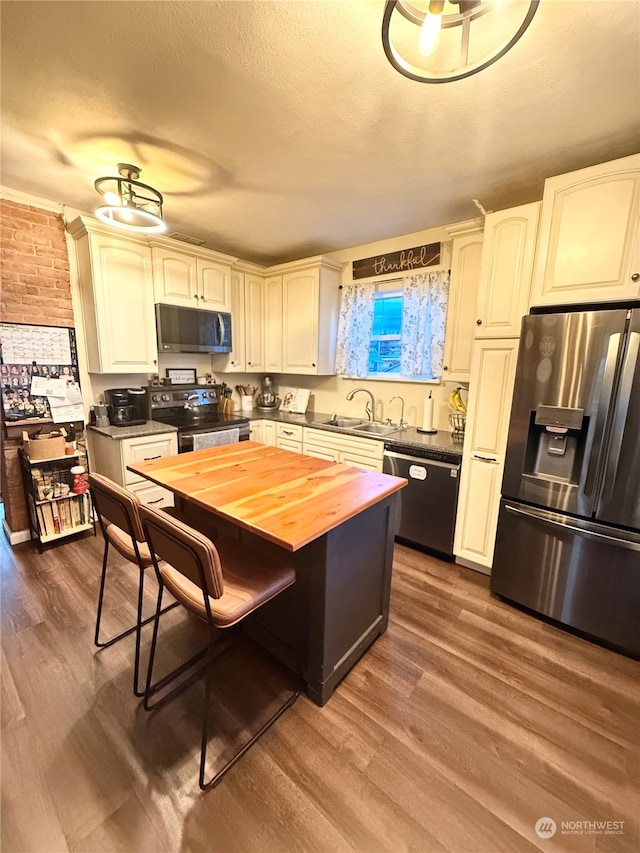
[(29, 353)]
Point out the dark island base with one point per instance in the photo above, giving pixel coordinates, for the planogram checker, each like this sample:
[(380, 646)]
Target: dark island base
[(339, 604)]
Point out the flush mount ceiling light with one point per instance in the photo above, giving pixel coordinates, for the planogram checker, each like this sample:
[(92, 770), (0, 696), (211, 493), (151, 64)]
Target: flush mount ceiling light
[(130, 204), (437, 41)]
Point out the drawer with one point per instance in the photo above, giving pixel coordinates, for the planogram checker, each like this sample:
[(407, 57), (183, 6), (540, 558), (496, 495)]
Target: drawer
[(144, 448), (152, 494), (292, 432), (288, 444), (370, 448)]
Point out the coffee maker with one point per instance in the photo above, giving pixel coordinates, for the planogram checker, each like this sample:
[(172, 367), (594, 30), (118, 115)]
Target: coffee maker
[(126, 406)]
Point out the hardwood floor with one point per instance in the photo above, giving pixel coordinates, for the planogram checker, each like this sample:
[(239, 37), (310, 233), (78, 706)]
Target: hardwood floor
[(464, 724)]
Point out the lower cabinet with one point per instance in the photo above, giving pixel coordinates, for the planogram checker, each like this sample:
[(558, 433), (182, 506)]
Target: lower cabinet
[(490, 391), (365, 453), (110, 457), (289, 437)]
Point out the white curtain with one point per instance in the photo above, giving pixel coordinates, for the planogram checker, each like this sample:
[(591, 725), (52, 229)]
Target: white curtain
[(424, 319), (354, 329)]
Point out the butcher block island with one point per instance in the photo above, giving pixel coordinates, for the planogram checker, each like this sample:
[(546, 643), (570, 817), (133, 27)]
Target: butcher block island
[(334, 523)]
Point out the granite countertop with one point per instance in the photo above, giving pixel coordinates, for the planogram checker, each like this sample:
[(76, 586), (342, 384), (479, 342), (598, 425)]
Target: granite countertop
[(126, 431), (442, 440)]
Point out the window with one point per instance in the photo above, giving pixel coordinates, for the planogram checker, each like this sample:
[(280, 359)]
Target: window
[(386, 334), (394, 329)]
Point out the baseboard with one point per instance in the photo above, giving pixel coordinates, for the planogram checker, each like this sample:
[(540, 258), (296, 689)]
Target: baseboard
[(15, 537), (469, 564)]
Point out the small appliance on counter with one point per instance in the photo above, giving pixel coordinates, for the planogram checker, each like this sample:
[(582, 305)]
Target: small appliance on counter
[(267, 398), (126, 406)]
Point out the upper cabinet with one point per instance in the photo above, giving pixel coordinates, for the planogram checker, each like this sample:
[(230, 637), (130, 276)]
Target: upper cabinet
[(466, 252), (588, 238), (506, 270), (273, 323), (302, 301), (191, 279), (116, 289), (247, 322)]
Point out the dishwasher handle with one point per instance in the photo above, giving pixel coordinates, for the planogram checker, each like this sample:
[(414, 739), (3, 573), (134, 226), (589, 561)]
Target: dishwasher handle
[(420, 460)]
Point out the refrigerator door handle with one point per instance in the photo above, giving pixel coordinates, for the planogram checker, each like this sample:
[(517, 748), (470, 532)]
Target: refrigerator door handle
[(560, 521), (624, 395), (602, 408)]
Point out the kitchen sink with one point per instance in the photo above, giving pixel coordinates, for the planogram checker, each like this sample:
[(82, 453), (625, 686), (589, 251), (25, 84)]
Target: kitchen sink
[(375, 429), (343, 423)]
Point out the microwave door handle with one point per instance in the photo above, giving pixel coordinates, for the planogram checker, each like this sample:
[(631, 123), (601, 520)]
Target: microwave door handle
[(220, 330), (604, 401), (622, 410)]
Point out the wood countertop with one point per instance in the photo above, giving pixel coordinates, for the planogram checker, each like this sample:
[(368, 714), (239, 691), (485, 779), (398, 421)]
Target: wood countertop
[(288, 498)]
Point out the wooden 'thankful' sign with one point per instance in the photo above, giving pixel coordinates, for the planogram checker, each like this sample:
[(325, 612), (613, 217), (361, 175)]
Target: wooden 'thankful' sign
[(393, 262)]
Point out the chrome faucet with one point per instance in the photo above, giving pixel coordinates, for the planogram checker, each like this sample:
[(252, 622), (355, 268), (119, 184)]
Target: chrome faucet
[(371, 407), (402, 421)]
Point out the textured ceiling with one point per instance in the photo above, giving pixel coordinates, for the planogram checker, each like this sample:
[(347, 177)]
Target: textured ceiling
[(277, 130)]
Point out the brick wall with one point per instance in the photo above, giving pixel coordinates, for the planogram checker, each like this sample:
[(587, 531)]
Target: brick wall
[(34, 288)]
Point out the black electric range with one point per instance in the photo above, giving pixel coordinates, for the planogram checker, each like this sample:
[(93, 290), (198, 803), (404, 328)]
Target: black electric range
[(193, 409)]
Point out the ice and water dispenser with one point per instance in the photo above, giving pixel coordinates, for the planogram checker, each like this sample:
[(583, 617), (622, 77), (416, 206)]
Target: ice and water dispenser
[(556, 443)]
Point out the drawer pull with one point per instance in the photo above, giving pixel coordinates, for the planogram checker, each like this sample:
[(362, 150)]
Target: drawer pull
[(149, 458), (288, 431), (159, 500)]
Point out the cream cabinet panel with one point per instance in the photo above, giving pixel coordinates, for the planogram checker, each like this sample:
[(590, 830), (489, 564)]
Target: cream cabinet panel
[(268, 433), (116, 290), (254, 323), (256, 432), (506, 271), (289, 444), (273, 323), (365, 453), (289, 437), (190, 279), (461, 313), (213, 285), (235, 361), (588, 238), (174, 278), (489, 408), (300, 321), (110, 457)]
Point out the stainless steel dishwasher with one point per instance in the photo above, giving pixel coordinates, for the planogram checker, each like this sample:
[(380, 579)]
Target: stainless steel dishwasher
[(427, 514)]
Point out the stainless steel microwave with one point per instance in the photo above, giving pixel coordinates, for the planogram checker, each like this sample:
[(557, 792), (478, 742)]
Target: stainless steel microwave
[(192, 329)]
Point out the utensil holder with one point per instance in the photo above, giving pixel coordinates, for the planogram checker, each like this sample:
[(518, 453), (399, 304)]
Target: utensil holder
[(246, 403)]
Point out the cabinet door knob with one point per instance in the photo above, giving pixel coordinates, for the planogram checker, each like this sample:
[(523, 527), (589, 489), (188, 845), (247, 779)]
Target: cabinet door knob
[(445, 367), (478, 322), (195, 295), (635, 276)]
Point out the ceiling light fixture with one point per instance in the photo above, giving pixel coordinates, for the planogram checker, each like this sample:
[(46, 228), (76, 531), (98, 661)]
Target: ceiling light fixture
[(130, 204), (454, 38)]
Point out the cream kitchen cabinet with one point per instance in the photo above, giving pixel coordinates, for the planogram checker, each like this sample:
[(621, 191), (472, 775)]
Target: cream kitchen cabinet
[(489, 407), (289, 437), (506, 270), (273, 324), (110, 457), (365, 453), (264, 432), (466, 252), (588, 237), (189, 279), (116, 291), (247, 323), (302, 301)]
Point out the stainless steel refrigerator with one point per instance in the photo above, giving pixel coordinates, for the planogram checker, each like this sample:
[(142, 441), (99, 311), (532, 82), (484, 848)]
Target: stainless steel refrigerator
[(568, 540)]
